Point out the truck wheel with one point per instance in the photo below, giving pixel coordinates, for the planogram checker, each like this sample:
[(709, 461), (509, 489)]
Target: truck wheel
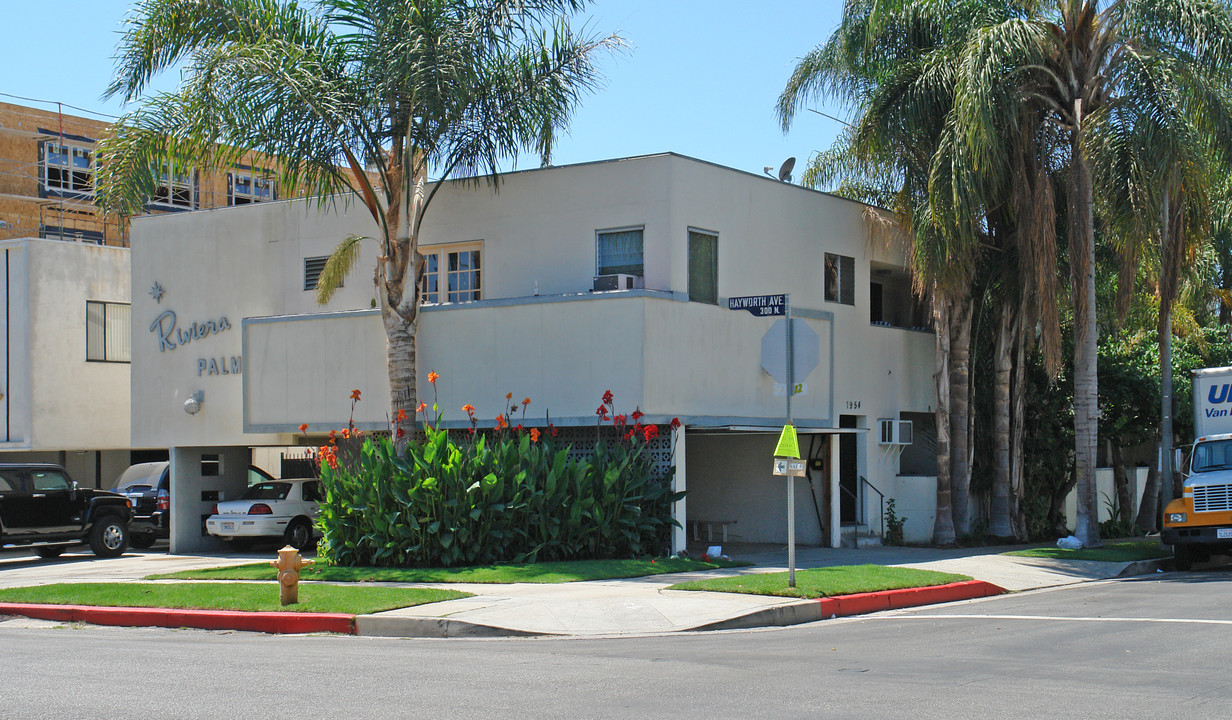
[(109, 537), (50, 552), (1182, 557), (299, 534)]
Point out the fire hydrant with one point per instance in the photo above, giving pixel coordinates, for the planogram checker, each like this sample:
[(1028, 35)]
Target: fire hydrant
[(289, 563)]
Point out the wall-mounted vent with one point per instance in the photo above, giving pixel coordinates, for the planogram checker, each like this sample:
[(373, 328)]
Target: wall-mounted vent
[(618, 281), (895, 432), (313, 266)]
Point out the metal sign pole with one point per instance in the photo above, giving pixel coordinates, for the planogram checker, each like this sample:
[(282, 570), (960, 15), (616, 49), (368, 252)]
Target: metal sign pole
[(791, 481)]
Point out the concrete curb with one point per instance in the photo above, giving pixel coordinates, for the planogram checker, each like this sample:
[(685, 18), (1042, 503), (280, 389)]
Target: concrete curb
[(431, 627), (859, 604), (1143, 567), (266, 622)]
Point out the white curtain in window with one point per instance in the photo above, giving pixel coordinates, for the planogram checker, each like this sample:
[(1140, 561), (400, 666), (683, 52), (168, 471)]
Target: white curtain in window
[(620, 252), (119, 343), (96, 331)]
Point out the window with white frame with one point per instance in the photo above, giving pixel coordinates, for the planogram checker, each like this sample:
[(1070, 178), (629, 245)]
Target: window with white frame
[(176, 189), (108, 336), (452, 274), (619, 251), (68, 166), (246, 186)]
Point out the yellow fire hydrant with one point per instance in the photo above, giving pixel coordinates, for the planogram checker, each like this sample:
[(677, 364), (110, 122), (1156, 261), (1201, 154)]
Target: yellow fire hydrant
[(289, 563)]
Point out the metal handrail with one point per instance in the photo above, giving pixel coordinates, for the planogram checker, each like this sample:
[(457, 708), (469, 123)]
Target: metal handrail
[(881, 497)]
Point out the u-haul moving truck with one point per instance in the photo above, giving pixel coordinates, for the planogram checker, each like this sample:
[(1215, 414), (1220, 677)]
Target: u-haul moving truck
[(1199, 523)]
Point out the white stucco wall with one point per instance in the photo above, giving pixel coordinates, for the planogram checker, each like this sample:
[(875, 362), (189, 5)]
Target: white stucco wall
[(229, 263), (54, 398)]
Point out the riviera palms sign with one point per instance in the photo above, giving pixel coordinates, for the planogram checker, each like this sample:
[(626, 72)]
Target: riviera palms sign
[(171, 335)]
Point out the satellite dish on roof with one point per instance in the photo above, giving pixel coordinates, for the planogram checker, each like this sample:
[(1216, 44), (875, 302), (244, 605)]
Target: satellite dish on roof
[(786, 168)]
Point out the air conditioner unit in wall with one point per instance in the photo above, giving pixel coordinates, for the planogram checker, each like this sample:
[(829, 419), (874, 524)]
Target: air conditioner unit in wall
[(619, 281), (895, 432)]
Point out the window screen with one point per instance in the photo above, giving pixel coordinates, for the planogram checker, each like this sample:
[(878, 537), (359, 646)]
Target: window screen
[(619, 251), (703, 267), (840, 275)]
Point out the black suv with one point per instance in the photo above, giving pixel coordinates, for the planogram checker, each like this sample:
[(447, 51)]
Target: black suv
[(41, 507), (148, 488)]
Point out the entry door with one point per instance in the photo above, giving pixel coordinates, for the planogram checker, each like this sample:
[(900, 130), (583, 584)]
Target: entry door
[(848, 480)]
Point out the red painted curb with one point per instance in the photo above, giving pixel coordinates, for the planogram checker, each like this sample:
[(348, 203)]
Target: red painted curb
[(863, 603), (266, 622)]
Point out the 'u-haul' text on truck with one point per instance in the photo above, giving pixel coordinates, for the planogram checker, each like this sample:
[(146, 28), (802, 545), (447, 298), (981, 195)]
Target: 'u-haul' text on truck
[(1199, 523)]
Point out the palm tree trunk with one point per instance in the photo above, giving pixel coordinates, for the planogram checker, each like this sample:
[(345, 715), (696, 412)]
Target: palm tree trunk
[(1000, 525), (1148, 511), (960, 406), (1086, 377), (1018, 492), (943, 524), (1120, 475), (400, 355)]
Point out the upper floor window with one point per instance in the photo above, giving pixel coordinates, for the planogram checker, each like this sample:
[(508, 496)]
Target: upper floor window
[(619, 251), (68, 167), (108, 336), (703, 266), (245, 187), (177, 189), (452, 274), (840, 272)]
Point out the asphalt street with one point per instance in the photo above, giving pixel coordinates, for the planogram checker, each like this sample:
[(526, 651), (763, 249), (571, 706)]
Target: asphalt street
[(1149, 647)]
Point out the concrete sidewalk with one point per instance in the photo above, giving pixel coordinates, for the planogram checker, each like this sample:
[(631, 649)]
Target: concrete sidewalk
[(645, 605), (634, 606)]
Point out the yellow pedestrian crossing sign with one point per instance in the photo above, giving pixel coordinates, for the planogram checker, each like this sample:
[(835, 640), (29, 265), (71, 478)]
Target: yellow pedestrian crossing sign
[(789, 446)]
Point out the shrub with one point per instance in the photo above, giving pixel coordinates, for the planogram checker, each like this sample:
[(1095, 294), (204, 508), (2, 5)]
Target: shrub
[(467, 499)]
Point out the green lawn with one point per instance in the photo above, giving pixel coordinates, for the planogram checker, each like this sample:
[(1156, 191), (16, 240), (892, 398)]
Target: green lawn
[(1114, 552), (826, 582), (229, 596), (545, 572)]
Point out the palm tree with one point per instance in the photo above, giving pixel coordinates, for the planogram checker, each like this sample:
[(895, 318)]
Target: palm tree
[(1083, 62), (893, 62), (349, 98)]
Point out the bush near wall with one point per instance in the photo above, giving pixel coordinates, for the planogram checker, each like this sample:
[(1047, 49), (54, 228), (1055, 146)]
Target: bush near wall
[(450, 500)]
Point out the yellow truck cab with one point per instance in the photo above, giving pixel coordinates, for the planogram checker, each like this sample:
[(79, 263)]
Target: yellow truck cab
[(1199, 523)]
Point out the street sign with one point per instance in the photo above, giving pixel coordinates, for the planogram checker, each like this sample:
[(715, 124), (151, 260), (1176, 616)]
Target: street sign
[(805, 350), (759, 305), (791, 467)]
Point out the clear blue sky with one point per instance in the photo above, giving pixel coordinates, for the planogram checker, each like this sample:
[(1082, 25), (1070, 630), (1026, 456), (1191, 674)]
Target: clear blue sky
[(700, 77)]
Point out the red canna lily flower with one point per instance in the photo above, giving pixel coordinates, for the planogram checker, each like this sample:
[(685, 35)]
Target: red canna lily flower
[(552, 429), (526, 402), (651, 432), (355, 395), (509, 396), (346, 433), (675, 423), (468, 409), (401, 432), (637, 414), (602, 412), (432, 376), (401, 416), (619, 420), (607, 398), (421, 407), (501, 422), (534, 435), (629, 435), (303, 427), (520, 428)]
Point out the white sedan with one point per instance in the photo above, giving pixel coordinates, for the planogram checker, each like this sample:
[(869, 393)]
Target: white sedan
[(273, 508)]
